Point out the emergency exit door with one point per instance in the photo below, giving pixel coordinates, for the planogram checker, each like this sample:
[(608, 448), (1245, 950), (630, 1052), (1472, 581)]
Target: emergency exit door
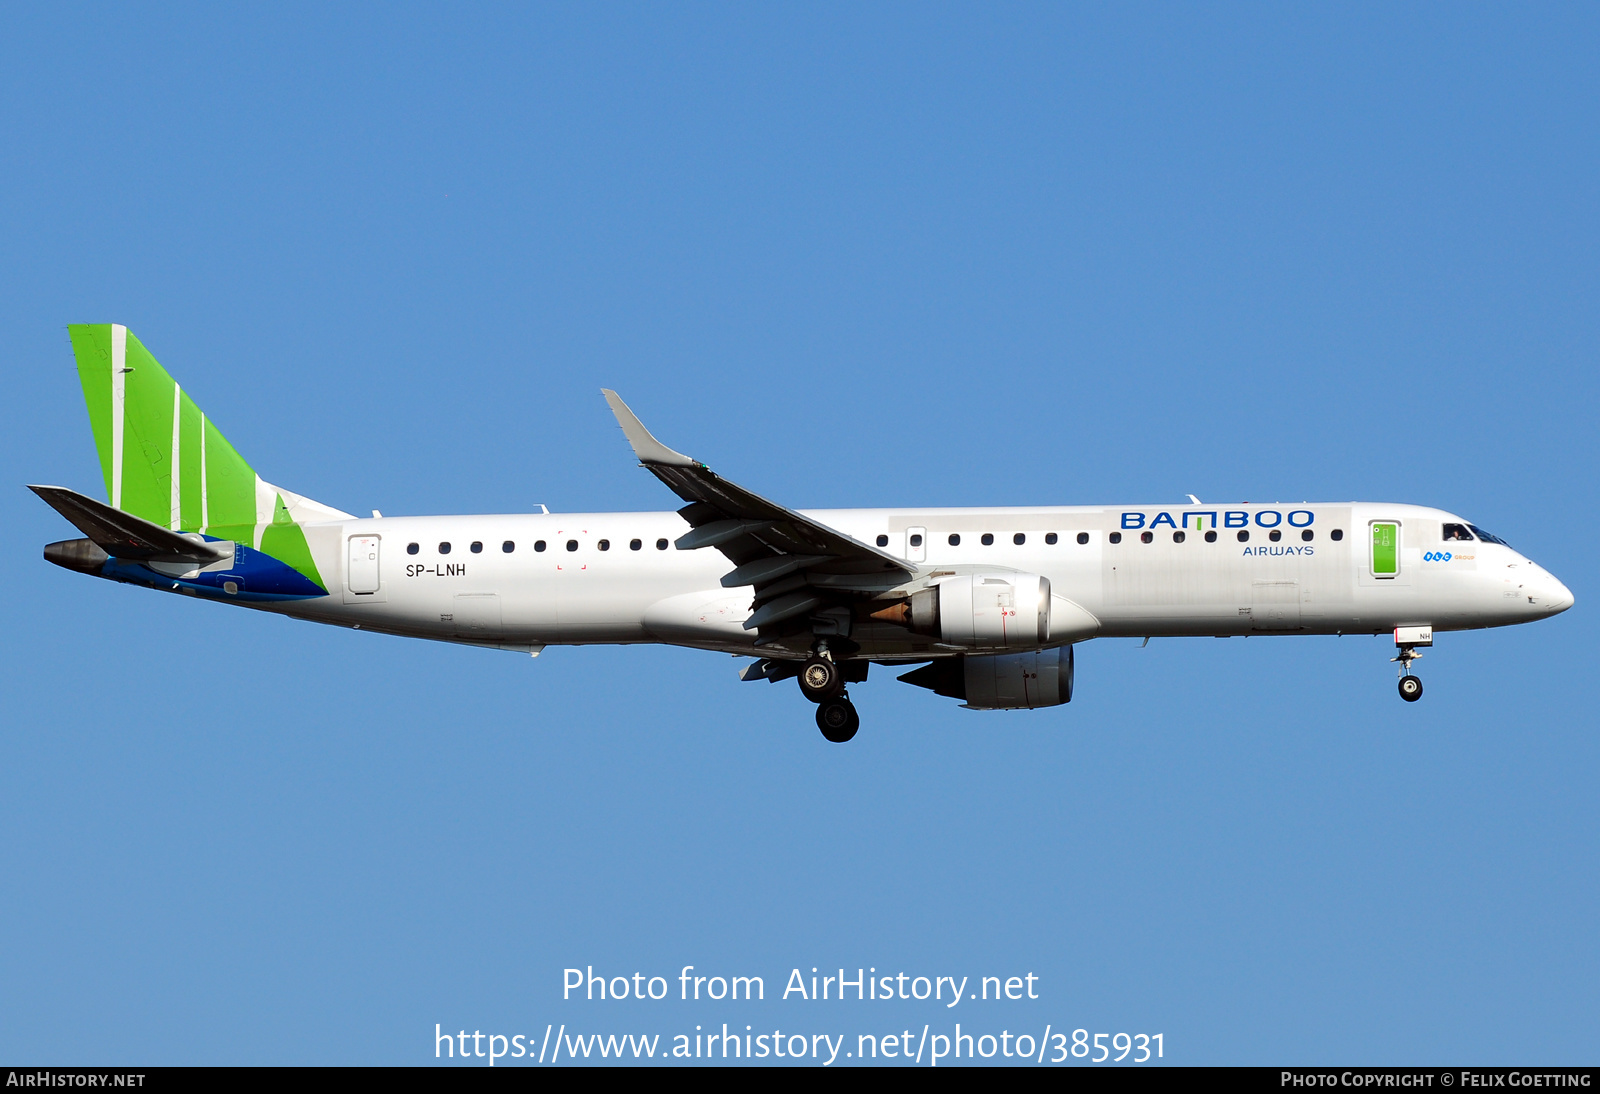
[(362, 571)]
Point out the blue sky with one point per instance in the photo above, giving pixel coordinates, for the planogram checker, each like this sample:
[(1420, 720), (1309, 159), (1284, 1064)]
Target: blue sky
[(907, 255)]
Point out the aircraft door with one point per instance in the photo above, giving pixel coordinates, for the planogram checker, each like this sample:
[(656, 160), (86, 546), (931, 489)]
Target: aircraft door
[(1275, 606), (1384, 554), (362, 571), (477, 615), (916, 545)]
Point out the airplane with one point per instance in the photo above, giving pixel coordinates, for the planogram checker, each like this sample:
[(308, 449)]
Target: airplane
[(987, 602)]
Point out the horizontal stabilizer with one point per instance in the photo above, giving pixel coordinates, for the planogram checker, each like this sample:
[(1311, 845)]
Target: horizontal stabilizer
[(125, 535)]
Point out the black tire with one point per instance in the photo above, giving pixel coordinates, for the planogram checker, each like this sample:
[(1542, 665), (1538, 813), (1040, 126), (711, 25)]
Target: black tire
[(821, 680), (838, 720), (1410, 688)]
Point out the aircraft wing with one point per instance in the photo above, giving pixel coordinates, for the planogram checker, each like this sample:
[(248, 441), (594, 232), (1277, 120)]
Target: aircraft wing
[(798, 566), (123, 534)]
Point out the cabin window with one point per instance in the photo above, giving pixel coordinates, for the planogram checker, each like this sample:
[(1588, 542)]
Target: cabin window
[(916, 540), (1307, 535), (412, 548), (508, 546), (1019, 539), (477, 547), (634, 544), (444, 548), (538, 545), (1336, 535), (1147, 537), (883, 541), (1244, 537), (1083, 537), (572, 545), (604, 545), (1274, 535), (1454, 532), (1211, 537), (661, 545), (1050, 538), (1178, 537), (1115, 537), (988, 539), (955, 539)]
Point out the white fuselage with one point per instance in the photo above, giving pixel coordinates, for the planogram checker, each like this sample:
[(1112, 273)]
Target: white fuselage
[(589, 584)]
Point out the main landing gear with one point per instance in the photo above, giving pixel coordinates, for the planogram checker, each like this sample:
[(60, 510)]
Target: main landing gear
[(837, 718), (822, 681)]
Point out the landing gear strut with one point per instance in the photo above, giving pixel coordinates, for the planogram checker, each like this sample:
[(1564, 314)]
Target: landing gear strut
[(837, 718)]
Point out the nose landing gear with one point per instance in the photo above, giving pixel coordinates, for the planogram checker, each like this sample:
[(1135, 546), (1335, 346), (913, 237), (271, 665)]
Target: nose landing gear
[(1410, 686)]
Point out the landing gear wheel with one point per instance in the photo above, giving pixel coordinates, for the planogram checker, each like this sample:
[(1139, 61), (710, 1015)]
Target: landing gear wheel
[(1410, 688), (821, 680), (838, 720)]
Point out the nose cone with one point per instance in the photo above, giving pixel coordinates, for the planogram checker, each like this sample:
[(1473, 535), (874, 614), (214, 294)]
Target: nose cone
[(1561, 597)]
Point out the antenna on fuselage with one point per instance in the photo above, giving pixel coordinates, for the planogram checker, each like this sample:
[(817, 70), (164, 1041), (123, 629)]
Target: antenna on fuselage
[(1194, 500)]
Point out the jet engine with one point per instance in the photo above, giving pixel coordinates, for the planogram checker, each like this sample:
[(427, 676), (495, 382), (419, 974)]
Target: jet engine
[(1006, 681), (985, 610)]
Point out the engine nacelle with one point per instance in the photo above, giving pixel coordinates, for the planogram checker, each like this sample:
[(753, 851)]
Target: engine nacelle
[(1003, 681), (985, 610)]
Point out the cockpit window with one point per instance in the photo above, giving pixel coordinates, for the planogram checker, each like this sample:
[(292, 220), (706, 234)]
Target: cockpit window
[(1455, 532), (1486, 537)]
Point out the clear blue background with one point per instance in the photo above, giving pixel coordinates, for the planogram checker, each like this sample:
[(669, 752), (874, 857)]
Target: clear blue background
[(910, 255)]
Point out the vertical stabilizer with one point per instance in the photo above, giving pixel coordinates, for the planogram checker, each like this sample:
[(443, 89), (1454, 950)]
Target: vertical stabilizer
[(166, 462)]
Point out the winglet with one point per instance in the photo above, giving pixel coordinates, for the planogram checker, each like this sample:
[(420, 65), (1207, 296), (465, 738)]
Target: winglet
[(647, 448)]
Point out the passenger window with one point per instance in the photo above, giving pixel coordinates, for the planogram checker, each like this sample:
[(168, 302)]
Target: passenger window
[(604, 545), (444, 548), (412, 548), (916, 541), (1178, 537), (508, 546), (661, 545), (1115, 537), (1083, 537), (538, 545), (1308, 535), (1336, 535), (883, 541), (1274, 535), (988, 539), (1211, 537), (634, 544), (477, 547), (1454, 532), (572, 545), (955, 539), (1244, 537), (1019, 539), (1147, 537), (1050, 538)]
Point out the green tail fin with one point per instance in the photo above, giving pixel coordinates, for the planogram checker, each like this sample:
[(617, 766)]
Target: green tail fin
[(164, 461)]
